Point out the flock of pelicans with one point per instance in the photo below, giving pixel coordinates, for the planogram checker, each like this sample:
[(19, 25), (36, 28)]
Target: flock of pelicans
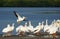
[(28, 28)]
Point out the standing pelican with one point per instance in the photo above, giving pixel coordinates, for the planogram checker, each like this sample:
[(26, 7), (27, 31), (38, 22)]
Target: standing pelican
[(52, 30), (22, 29), (38, 28), (8, 30), (19, 18), (18, 30), (30, 27), (46, 26)]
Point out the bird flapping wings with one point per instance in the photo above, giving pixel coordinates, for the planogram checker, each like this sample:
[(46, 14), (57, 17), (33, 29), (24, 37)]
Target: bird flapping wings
[(17, 15)]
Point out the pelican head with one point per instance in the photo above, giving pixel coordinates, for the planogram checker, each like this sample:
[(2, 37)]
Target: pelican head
[(18, 21), (24, 17), (26, 24), (39, 23), (8, 25)]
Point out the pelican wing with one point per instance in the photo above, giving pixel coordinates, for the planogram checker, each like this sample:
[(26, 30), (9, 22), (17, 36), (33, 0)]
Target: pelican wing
[(17, 15), (53, 30)]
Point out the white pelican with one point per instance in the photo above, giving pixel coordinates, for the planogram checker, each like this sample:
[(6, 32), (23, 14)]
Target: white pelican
[(53, 28), (42, 24), (30, 27), (8, 30), (22, 29), (46, 26), (26, 27), (38, 28), (18, 30), (57, 23), (19, 18)]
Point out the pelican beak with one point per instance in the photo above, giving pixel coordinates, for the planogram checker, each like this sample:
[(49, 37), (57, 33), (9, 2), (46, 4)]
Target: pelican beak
[(24, 20)]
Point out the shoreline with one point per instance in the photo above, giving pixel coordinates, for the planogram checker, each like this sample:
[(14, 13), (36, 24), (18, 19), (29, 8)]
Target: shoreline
[(29, 37)]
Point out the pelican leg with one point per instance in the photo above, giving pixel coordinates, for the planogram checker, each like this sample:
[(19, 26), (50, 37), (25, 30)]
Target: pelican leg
[(20, 33), (54, 35), (9, 34), (5, 34)]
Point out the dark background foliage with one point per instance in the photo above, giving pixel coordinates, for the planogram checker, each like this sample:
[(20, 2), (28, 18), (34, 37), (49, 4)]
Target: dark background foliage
[(30, 3)]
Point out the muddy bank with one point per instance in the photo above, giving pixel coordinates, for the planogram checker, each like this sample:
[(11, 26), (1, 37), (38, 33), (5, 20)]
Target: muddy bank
[(28, 37)]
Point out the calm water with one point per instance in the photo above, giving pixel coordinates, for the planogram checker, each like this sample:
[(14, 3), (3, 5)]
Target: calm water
[(34, 15)]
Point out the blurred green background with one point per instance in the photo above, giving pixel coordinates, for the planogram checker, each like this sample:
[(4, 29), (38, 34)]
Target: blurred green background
[(30, 3)]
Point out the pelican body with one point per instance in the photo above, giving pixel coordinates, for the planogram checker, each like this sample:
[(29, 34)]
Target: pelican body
[(8, 30), (19, 18)]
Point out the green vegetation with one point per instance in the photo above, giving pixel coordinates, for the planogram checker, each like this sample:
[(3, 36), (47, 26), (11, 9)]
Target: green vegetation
[(30, 3)]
